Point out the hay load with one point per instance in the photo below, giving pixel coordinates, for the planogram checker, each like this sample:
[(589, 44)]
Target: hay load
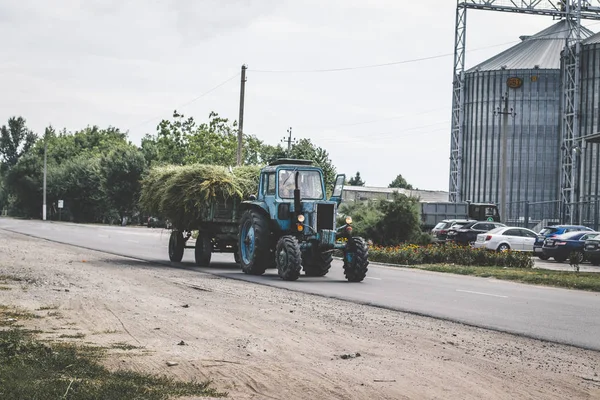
[(184, 194)]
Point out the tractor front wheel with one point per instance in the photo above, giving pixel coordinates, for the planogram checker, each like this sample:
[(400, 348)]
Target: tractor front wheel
[(289, 258), (253, 243), (176, 246), (316, 263), (203, 250), (356, 259)]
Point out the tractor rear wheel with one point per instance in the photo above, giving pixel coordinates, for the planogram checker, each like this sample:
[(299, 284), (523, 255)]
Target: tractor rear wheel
[(289, 258), (316, 263), (203, 250), (176, 246), (356, 259), (253, 242)]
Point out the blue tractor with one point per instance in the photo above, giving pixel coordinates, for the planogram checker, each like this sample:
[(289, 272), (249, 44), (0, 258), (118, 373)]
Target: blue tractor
[(291, 225)]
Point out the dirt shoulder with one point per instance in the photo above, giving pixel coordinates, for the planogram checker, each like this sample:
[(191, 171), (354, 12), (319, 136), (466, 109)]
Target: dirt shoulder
[(259, 342)]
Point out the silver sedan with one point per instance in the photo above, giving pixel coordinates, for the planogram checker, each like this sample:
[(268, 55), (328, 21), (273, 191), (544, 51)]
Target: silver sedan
[(506, 238)]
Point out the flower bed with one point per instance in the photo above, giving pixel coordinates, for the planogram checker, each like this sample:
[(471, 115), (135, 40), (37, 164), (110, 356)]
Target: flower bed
[(410, 254)]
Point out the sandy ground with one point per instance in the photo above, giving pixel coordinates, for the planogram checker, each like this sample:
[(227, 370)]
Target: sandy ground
[(259, 342)]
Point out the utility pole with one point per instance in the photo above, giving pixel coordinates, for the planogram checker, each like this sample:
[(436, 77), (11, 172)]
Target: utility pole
[(289, 141), (45, 151), (504, 154), (241, 119)]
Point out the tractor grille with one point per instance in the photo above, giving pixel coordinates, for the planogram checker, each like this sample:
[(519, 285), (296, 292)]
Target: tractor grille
[(325, 216)]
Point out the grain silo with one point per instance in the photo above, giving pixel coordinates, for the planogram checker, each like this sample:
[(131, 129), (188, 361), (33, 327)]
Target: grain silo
[(589, 192), (529, 74)]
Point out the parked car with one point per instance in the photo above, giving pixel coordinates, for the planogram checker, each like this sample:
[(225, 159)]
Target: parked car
[(467, 233), (591, 250), (560, 247), (440, 231), (552, 231), (506, 238)]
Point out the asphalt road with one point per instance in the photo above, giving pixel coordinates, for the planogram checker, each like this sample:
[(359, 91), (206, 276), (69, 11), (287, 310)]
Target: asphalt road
[(552, 314)]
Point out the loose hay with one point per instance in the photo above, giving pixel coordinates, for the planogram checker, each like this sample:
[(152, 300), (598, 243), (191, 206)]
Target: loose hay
[(184, 194)]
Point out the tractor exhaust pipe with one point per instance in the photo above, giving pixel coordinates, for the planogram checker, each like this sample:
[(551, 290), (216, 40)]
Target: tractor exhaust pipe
[(297, 203)]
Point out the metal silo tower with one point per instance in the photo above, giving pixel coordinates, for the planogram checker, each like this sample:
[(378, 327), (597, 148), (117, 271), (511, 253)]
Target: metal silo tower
[(571, 11)]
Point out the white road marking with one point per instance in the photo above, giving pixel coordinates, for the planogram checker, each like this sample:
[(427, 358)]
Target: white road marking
[(104, 236), (370, 277), (484, 294), (133, 241)]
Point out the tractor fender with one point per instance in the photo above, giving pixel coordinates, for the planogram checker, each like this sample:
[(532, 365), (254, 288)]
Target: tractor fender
[(260, 206)]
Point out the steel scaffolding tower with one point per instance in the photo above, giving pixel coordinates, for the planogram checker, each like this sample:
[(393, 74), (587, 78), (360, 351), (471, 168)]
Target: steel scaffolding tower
[(573, 11)]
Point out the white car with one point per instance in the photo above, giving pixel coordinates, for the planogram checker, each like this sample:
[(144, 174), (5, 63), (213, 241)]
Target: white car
[(507, 238)]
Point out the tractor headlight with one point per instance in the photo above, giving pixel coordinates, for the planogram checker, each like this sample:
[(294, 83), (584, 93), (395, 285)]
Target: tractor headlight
[(300, 218), (348, 220)]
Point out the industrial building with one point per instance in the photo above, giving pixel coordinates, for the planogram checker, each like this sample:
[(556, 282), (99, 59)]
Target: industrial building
[(525, 123), (533, 124)]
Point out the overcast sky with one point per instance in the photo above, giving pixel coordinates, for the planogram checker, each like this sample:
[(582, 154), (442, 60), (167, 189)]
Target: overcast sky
[(130, 63)]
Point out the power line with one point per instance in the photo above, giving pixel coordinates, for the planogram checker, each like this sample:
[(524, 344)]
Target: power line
[(403, 61), (191, 101), (375, 120), (395, 133)]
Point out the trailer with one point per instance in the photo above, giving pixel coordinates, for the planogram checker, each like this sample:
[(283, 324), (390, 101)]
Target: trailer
[(289, 224)]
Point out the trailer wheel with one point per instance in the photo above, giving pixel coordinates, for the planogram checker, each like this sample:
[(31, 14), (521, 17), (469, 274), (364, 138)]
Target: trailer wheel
[(203, 250), (356, 259), (316, 263), (176, 246), (253, 243), (289, 258)]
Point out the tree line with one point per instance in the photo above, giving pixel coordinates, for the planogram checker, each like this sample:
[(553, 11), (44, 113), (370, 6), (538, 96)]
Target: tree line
[(97, 171)]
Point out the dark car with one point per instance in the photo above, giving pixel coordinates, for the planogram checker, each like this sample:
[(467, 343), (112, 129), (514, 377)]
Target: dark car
[(440, 231), (592, 250), (560, 247), (552, 231), (467, 233)]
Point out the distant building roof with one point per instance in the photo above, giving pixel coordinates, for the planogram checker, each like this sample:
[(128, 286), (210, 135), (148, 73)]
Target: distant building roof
[(357, 192), (592, 39), (541, 50)]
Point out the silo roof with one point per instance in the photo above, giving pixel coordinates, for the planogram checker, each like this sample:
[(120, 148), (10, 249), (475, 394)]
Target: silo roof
[(592, 39), (541, 50)]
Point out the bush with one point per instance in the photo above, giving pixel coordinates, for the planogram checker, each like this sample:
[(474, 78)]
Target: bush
[(412, 254), (385, 222)]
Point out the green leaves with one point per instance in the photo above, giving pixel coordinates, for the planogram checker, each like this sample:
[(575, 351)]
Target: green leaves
[(15, 141), (386, 223), (356, 180), (122, 169), (400, 182)]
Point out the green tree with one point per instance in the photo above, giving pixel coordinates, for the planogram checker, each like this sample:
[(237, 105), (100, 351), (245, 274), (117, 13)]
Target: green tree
[(79, 182), (400, 222), (67, 155), (122, 169), (356, 180), (183, 141), (24, 185), (15, 140), (400, 182), (385, 222)]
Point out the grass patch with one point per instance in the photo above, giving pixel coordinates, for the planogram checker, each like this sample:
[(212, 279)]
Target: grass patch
[(73, 336), (124, 346), (10, 278), (4, 288), (56, 314), (9, 317), (31, 369), (566, 279), (44, 308)]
